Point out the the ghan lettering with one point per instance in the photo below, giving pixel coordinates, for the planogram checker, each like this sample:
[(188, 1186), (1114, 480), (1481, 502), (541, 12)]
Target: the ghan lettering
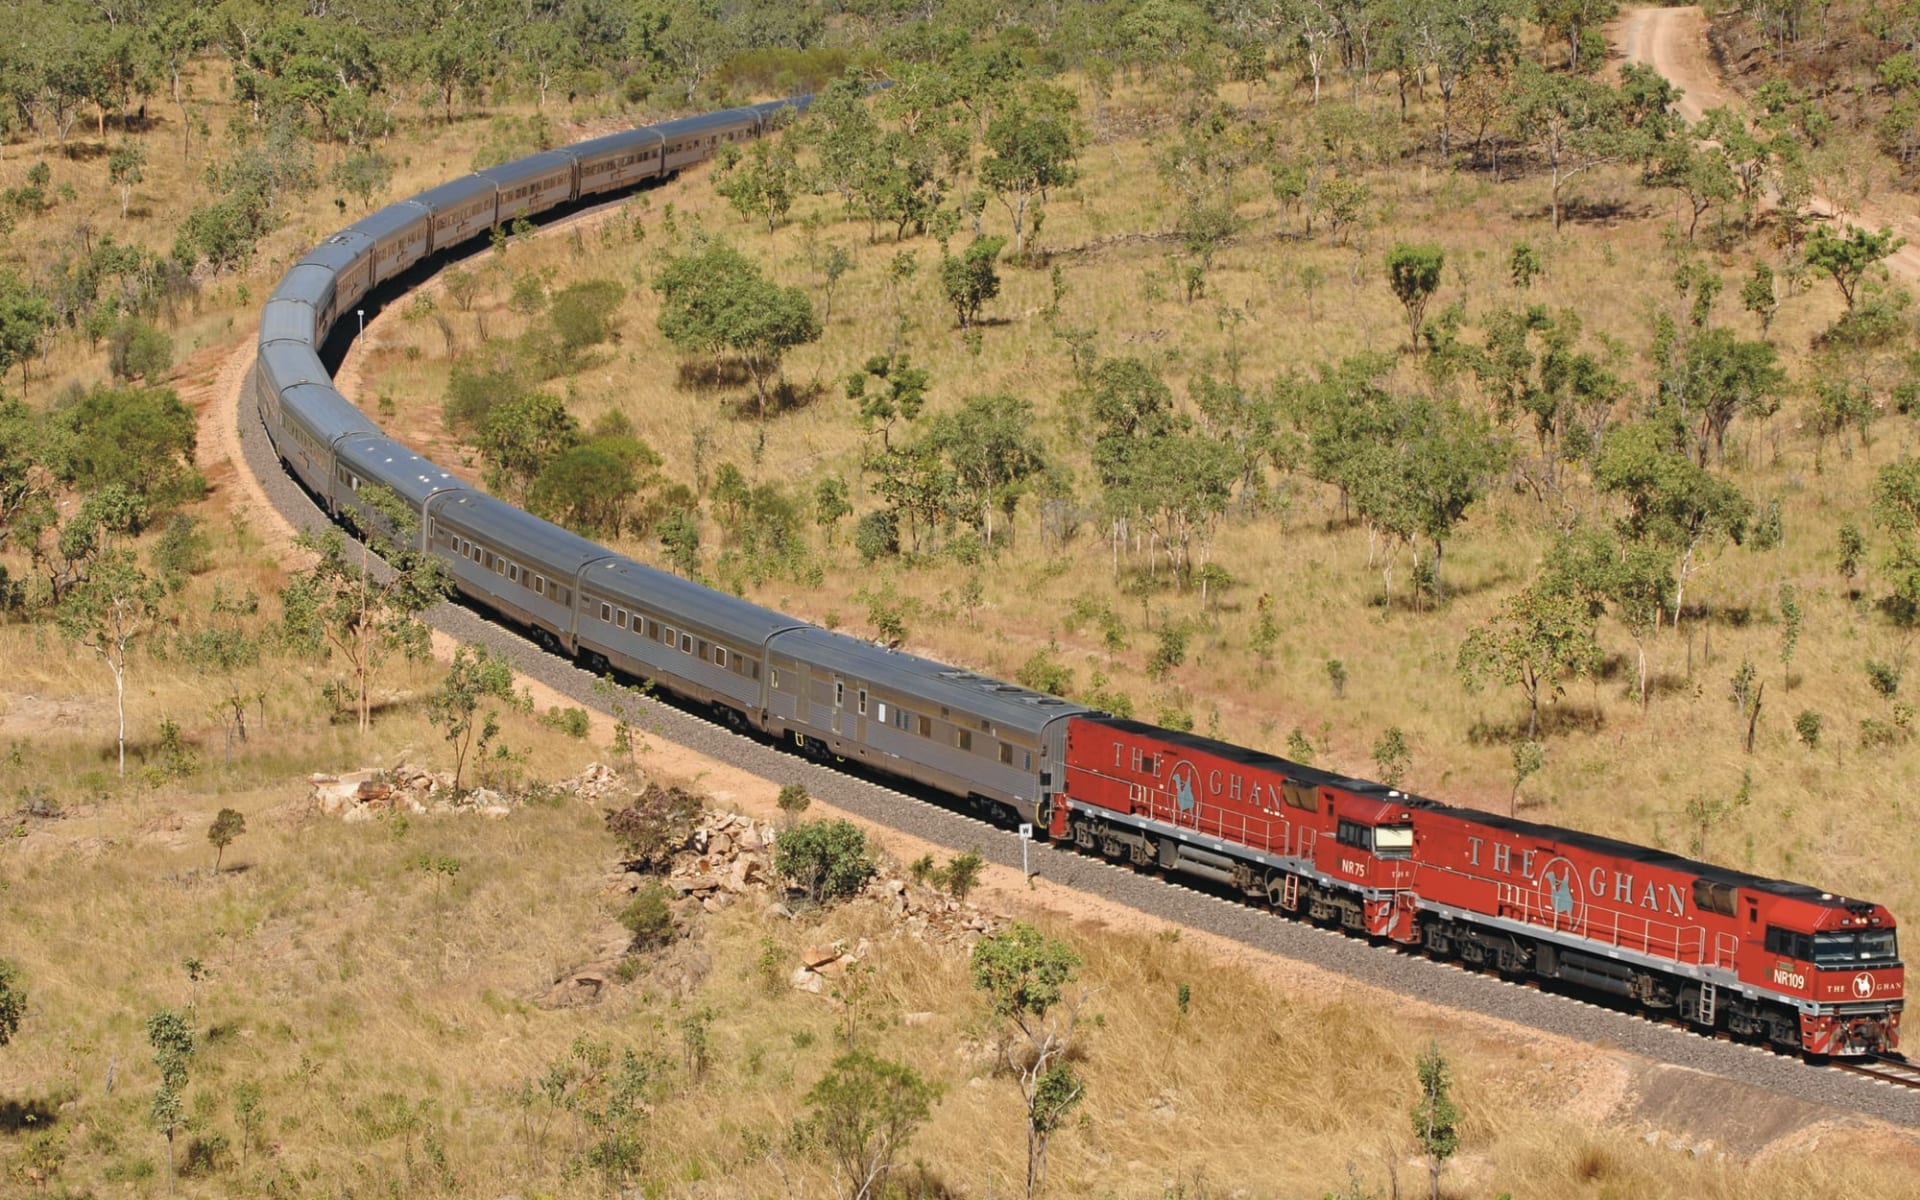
[(1602, 882)]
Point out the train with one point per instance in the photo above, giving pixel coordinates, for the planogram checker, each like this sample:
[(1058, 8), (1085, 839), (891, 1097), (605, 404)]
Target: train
[(1781, 963)]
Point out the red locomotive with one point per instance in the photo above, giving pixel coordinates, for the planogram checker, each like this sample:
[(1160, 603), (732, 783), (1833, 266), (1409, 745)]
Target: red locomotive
[(1801, 968)]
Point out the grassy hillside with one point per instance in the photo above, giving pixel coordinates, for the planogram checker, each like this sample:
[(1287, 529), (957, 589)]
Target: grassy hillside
[(368, 1001)]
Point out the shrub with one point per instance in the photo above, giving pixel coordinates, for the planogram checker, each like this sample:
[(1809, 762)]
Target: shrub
[(573, 722), (649, 916), (654, 824), (877, 536), (1807, 726), (829, 859), (183, 549), (136, 350), (962, 874), (1044, 672), (794, 800)]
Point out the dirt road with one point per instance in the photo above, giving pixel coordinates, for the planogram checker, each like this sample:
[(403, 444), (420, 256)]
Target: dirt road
[(1673, 41)]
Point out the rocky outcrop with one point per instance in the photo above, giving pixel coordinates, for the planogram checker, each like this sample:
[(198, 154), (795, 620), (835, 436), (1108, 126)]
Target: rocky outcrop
[(364, 794)]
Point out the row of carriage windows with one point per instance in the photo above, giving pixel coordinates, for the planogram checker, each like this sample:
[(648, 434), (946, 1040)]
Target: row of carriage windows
[(740, 664), (511, 571), (922, 725)]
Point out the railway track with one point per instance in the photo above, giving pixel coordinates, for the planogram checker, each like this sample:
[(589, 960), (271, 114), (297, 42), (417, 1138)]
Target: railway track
[(1892, 1070)]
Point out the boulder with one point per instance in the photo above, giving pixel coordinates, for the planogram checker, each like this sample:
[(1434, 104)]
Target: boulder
[(815, 957)]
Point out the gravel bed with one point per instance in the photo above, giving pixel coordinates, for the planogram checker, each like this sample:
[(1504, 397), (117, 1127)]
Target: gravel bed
[(1175, 902)]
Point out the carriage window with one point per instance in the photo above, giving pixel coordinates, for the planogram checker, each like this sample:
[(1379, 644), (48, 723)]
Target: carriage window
[(719, 656), (839, 694), (863, 702), (926, 728), (686, 643), (900, 718), (606, 612), (653, 630), (1029, 765), (775, 681), (620, 617), (668, 639), (880, 712), (513, 572), (963, 738), (1006, 754), (702, 656), (539, 585)]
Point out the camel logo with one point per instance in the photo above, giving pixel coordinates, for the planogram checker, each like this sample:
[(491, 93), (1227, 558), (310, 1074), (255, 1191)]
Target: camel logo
[(1564, 893), (1863, 985), (1186, 787)]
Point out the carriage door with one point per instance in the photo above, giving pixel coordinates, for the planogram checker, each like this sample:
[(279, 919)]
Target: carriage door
[(839, 706), (860, 716)]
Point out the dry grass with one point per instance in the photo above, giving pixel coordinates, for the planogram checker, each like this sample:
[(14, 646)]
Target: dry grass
[(1832, 816), (386, 1013)]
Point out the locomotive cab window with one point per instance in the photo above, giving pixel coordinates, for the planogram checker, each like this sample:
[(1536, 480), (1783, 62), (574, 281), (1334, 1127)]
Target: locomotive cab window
[(1789, 943), (1352, 833), (1393, 841), (1300, 796), (1853, 949)]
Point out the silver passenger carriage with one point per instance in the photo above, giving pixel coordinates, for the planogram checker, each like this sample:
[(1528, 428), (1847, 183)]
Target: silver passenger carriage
[(458, 209), (532, 185), (348, 258), (617, 160), (524, 568), (999, 744), (304, 414), (397, 235), (376, 460), (704, 645), (693, 139)]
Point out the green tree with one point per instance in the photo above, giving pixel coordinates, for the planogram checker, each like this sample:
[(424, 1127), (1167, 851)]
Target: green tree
[(1759, 296), (13, 1001), (171, 1037), (1436, 1122), (229, 824), (126, 169), (1568, 120), (342, 601), (141, 439), (1413, 271), (108, 612), (473, 677), (831, 504), (590, 488), (25, 318), (716, 301), (993, 451), (1025, 974), (793, 800), (760, 184), (970, 278), (582, 314), (1713, 379), (1528, 758), (137, 350), (1030, 152), (865, 1111), (1790, 619), (830, 859), (521, 437), (1392, 755), (888, 388), (1847, 259), (1541, 635), (1672, 502)]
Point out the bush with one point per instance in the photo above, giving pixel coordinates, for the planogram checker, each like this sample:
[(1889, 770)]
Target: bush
[(1044, 672), (794, 800), (573, 722), (962, 874), (829, 859), (1807, 726), (473, 395), (582, 314), (139, 438), (877, 536), (655, 824), (649, 916), (136, 350), (183, 549)]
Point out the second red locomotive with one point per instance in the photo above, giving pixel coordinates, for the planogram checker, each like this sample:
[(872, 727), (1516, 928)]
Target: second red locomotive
[(1798, 967)]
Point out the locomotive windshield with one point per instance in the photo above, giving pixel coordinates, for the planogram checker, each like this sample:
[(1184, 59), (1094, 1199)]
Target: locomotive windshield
[(1873, 946), (1393, 841)]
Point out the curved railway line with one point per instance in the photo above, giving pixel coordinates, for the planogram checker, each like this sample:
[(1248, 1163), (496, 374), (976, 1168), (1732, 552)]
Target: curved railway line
[(1188, 902)]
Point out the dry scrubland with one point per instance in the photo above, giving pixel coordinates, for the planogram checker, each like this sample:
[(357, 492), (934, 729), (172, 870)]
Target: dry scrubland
[(1834, 815), (384, 1011)]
